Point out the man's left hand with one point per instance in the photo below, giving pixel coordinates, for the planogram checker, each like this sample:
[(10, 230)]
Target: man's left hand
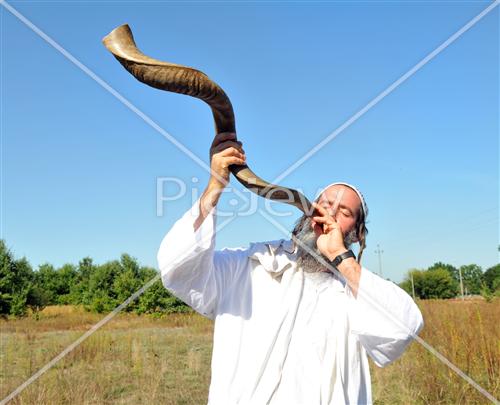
[(331, 241)]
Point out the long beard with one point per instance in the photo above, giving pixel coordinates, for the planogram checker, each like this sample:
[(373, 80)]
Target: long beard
[(305, 234)]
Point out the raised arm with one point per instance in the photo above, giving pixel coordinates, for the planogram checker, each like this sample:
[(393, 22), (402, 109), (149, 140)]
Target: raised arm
[(224, 152), (186, 256)]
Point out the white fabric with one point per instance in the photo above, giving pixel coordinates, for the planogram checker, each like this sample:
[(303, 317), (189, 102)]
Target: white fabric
[(283, 336)]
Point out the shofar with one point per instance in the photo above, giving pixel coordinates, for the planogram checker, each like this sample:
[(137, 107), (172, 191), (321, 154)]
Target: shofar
[(185, 80)]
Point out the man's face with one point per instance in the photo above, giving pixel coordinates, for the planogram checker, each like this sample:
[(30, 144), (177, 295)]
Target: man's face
[(343, 204)]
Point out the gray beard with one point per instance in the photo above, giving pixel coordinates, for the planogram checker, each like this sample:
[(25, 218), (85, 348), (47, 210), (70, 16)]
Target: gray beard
[(305, 234)]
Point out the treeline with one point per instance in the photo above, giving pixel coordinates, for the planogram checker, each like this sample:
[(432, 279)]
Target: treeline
[(98, 288), (101, 288), (443, 281)]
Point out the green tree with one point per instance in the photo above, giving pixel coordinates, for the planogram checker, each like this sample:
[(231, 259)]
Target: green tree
[(56, 284), (67, 276), (127, 281), (406, 283), (46, 279), (437, 283), (157, 299), (6, 278), (16, 283), (98, 288), (491, 278), (472, 277), (448, 267), (80, 285), (434, 283), (37, 299)]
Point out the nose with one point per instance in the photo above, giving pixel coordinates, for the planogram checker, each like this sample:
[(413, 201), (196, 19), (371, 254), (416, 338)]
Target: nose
[(333, 212)]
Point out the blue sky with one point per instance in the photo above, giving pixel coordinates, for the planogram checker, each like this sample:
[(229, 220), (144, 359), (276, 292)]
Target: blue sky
[(79, 169)]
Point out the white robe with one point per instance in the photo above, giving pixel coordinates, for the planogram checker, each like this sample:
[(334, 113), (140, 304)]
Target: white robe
[(283, 336)]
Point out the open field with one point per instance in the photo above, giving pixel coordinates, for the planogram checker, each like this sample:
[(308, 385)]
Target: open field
[(140, 359)]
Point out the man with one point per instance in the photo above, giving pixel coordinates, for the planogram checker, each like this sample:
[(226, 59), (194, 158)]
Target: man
[(287, 329)]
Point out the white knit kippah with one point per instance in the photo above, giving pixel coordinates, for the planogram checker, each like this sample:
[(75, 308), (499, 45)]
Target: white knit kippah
[(363, 203)]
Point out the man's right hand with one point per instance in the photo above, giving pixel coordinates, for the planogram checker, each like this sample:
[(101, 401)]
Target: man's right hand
[(225, 151)]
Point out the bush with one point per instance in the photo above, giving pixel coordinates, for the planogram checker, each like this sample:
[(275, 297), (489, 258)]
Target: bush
[(98, 288), (491, 279), (435, 282)]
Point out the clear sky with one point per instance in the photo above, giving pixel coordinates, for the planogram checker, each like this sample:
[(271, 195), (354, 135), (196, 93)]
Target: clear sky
[(79, 169)]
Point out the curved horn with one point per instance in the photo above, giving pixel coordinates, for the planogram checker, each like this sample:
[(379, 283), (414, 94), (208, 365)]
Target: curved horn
[(185, 80)]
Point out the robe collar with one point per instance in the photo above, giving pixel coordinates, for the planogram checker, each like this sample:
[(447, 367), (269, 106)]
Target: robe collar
[(275, 256)]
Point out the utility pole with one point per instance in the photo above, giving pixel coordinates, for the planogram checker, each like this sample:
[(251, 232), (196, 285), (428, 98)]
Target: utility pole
[(461, 282), (379, 252), (412, 285)]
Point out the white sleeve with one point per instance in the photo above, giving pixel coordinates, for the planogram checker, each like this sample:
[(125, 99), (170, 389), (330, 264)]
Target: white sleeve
[(384, 317), (185, 260)]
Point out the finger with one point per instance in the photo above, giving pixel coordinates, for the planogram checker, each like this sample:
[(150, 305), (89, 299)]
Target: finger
[(315, 225), (227, 145), (320, 209), (223, 136), (323, 220), (332, 227), (232, 152), (233, 160)]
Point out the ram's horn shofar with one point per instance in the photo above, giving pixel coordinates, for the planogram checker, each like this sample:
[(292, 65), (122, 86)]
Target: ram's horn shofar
[(185, 80)]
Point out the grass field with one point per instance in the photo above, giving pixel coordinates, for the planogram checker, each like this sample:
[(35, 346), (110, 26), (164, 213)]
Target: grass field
[(140, 359)]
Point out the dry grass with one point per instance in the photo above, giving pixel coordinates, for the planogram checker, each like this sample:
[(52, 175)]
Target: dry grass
[(139, 359), (131, 360), (466, 333)]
